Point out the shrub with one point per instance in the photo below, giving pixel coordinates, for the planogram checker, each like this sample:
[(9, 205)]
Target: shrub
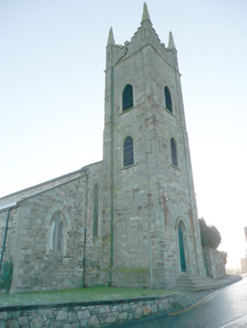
[(6, 276), (210, 236)]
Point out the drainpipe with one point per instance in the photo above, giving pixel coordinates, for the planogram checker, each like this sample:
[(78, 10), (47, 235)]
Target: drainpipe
[(112, 105), (85, 233), (5, 234), (112, 158), (151, 260)]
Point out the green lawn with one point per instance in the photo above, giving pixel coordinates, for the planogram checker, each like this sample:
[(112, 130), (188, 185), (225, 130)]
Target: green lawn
[(78, 295)]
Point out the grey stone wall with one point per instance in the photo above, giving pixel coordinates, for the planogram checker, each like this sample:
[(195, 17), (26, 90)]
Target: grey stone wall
[(244, 265), (28, 243), (90, 314), (40, 187), (216, 263), (36, 265), (11, 233), (151, 196), (97, 248)]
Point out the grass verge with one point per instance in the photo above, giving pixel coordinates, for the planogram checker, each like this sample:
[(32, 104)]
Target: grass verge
[(77, 295)]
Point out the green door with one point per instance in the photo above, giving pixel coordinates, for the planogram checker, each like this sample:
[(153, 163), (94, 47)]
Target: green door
[(181, 249), (205, 261)]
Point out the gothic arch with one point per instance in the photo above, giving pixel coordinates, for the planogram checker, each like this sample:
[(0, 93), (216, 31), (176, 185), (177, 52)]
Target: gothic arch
[(168, 99), (57, 234), (183, 245), (128, 151), (65, 227), (174, 151), (127, 97)]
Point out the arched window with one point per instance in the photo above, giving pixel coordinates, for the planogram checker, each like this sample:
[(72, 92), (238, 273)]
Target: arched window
[(60, 237), (95, 210), (181, 247), (128, 97), (57, 230), (168, 99), (128, 151), (174, 152)]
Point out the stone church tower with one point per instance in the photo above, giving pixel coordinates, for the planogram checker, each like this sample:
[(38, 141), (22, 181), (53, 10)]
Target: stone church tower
[(147, 184), (130, 219)]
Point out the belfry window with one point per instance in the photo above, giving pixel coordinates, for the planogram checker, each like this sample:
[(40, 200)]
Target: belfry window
[(128, 101), (95, 210), (168, 99), (57, 231), (128, 151), (174, 152)]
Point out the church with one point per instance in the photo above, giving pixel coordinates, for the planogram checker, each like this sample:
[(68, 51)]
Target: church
[(129, 220)]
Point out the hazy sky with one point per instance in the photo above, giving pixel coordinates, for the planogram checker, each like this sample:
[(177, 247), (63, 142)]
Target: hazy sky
[(52, 60)]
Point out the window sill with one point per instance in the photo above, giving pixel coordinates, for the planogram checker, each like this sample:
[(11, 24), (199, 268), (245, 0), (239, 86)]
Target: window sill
[(167, 110), (127, 110), (126, 167), (58, 254), (175, 167)]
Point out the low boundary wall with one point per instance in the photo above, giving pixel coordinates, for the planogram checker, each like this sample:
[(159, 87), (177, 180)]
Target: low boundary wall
[(89, 314), (215, 262)]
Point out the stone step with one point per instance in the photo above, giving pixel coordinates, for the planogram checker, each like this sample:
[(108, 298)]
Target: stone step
[(196, 283), (192, 277), (199, 284), (210, 281)]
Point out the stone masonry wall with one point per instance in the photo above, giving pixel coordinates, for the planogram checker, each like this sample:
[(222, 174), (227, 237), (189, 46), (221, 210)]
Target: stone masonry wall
[(28, 243), (40, 187), (9, 244), (97, 257), (37, 266), (216, 263), (138, 231), (152, 195), (6, 267), (90, 314)]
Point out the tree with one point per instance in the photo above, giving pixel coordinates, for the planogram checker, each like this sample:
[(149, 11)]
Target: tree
[(210, 236)]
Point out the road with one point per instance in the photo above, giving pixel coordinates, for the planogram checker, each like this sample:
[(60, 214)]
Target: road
[(223, 308)]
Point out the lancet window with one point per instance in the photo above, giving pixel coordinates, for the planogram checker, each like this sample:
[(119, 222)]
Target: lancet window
[(128, 101), (95, 210), (128, 151), (57, 231), (168, 99), (174, 152)]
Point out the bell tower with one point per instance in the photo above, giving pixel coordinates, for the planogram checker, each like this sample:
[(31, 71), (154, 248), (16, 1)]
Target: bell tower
[(148, 200)]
